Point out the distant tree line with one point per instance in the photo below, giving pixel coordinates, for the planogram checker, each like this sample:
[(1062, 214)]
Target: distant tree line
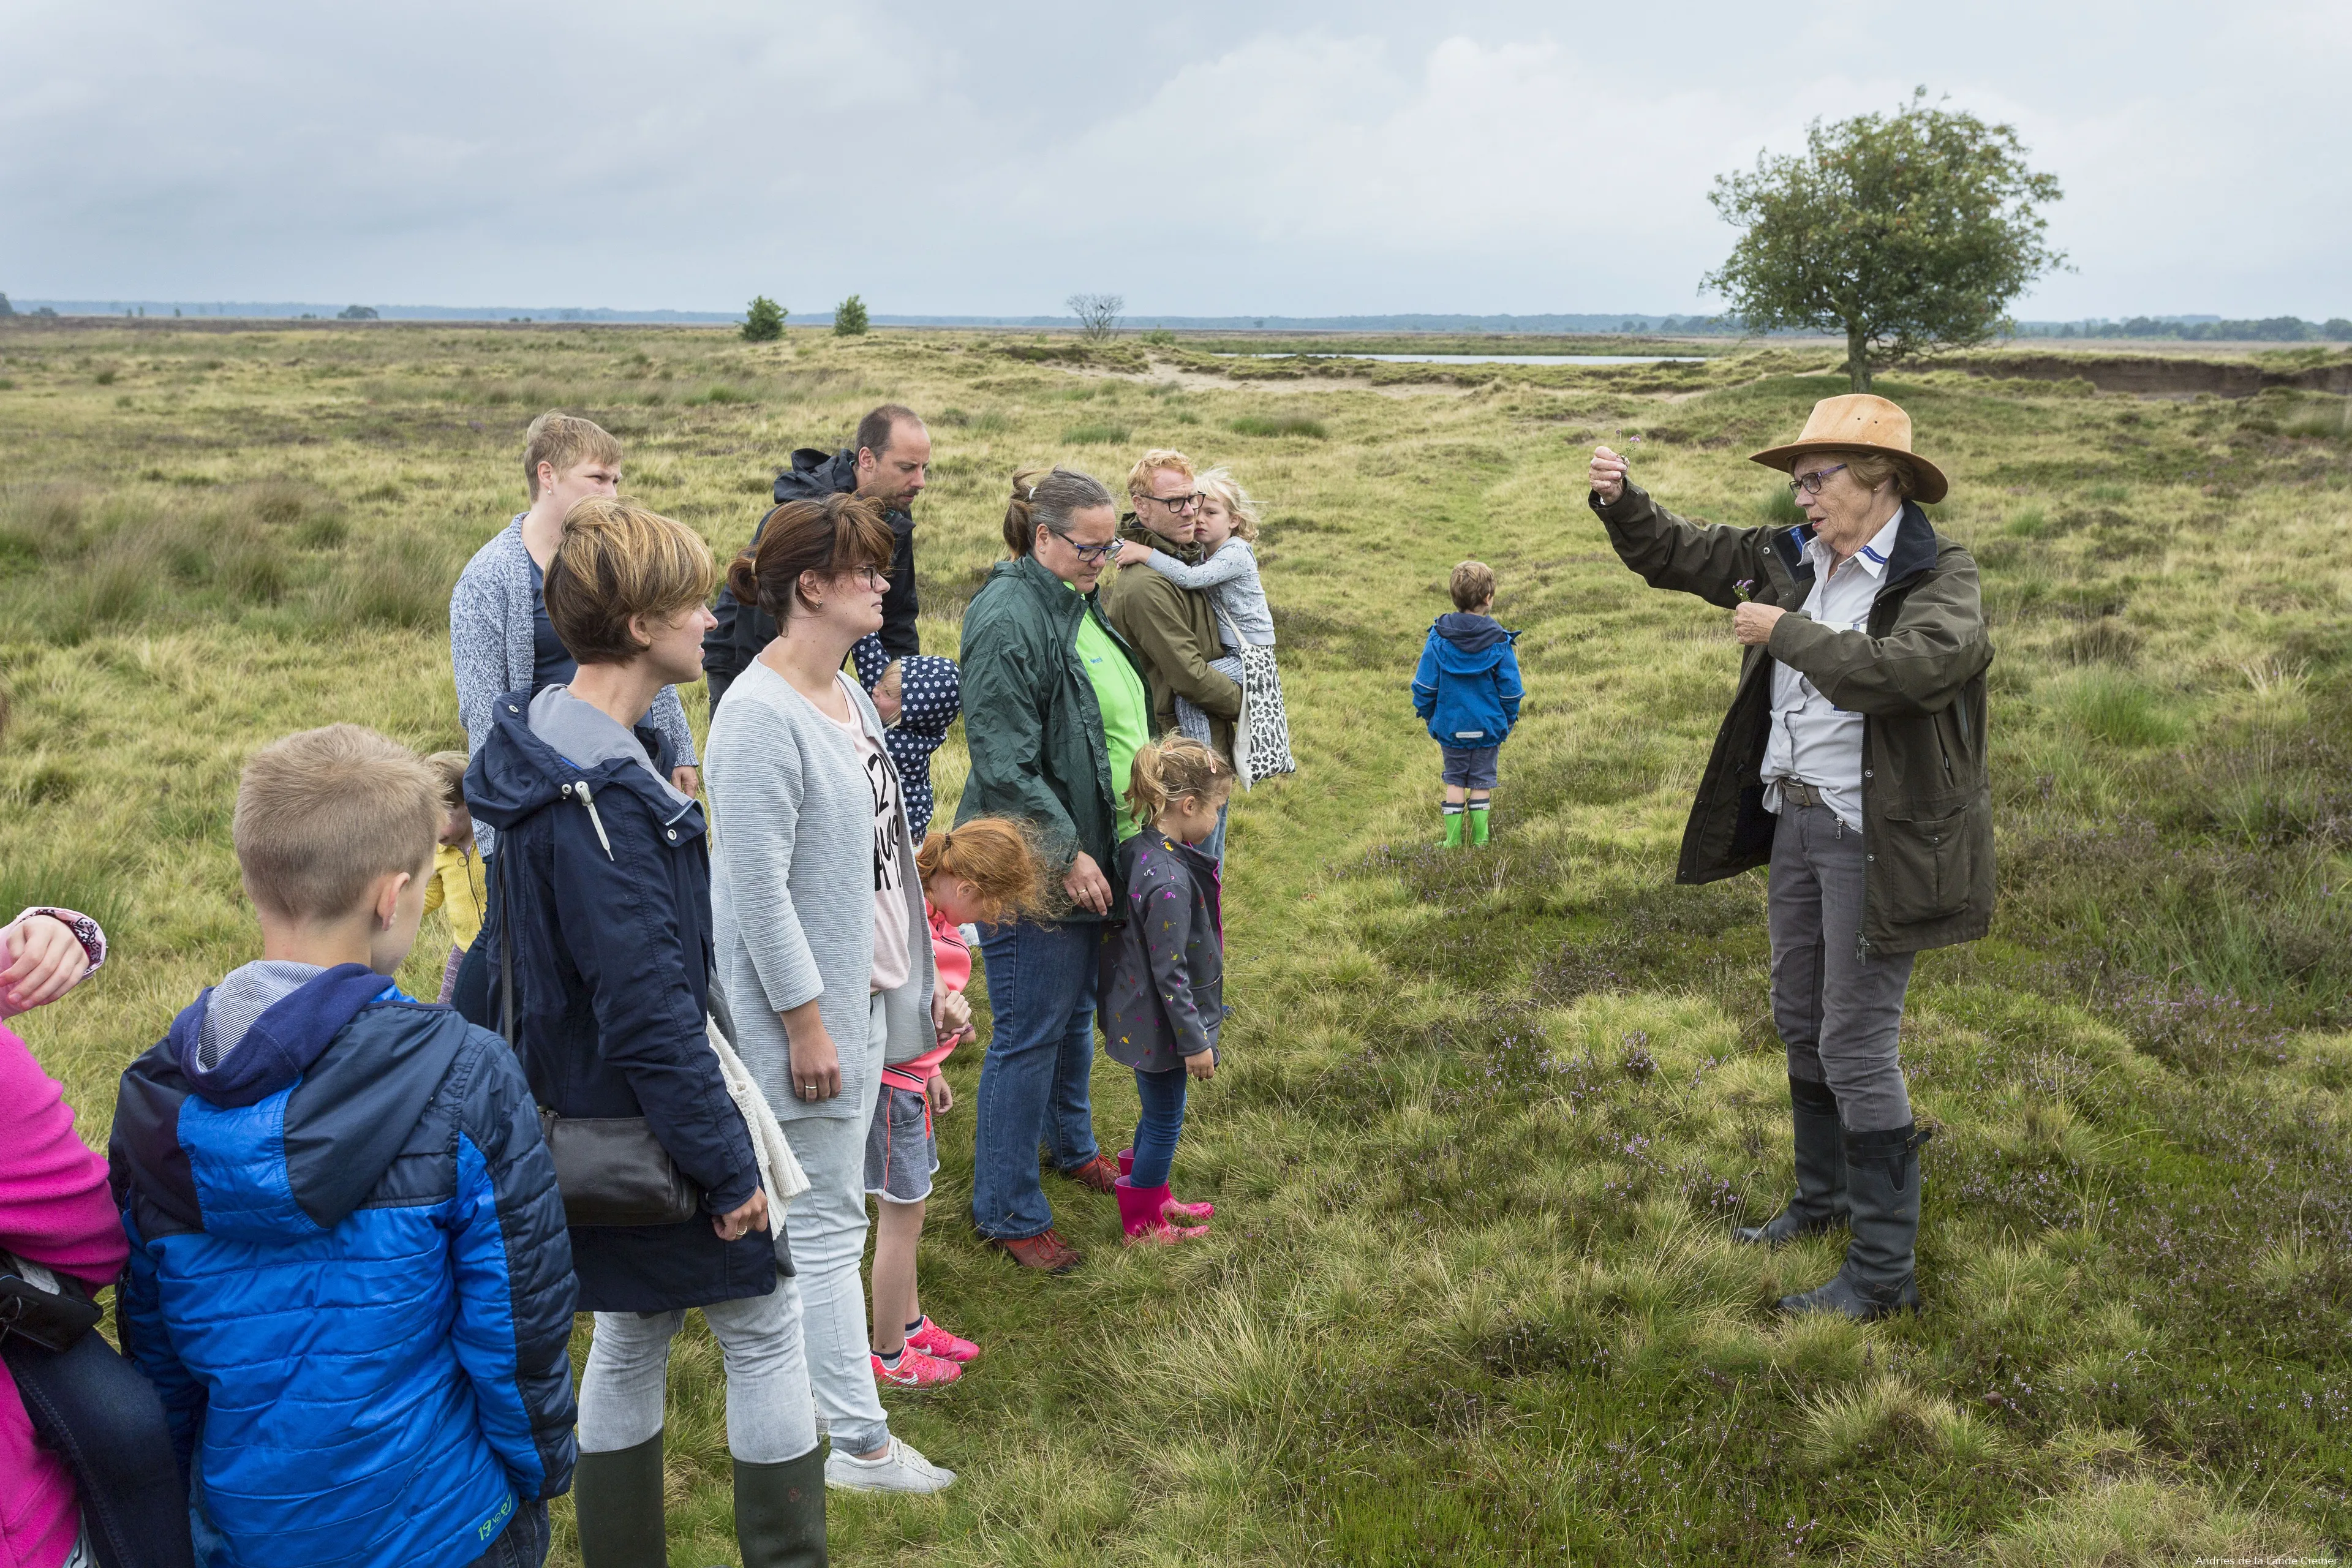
[(2270, 330)]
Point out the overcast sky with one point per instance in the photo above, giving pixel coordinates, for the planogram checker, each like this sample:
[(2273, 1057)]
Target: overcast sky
[(1196, 157)]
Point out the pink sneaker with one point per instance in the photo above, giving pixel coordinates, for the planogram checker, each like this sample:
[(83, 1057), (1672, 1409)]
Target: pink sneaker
[(917, 1370), (934, 1340)]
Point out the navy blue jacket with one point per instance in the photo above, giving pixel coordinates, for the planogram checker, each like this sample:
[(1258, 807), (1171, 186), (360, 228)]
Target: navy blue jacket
[(744, 629), (348, 1278), (612, 965), (1467, 687)]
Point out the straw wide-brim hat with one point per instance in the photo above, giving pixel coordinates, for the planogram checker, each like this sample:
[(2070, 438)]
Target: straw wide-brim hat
[(1859, 422)]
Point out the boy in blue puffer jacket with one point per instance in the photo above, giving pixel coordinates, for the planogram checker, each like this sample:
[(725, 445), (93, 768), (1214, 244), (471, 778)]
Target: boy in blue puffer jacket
[(1467, 688), (349, 1280)]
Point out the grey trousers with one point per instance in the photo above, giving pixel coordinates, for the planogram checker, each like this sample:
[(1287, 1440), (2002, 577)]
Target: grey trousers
[(827, 1235), (1837, 1010), (771, 1416)]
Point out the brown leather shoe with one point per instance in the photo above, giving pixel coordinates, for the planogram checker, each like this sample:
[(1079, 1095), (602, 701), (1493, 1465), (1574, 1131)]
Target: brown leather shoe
[(1043, 1250), (1101, 1173)]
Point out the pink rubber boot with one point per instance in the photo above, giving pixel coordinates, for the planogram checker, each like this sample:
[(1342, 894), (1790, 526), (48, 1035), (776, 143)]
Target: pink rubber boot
[(1178, 1212), (1142, 1214)]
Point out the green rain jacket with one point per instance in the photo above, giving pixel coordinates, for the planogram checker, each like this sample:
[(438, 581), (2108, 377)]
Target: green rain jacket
[(1917, 676), (1031, 722)]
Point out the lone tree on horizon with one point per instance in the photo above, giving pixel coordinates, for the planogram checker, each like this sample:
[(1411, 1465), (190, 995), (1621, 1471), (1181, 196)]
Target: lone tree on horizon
[(1905, 233), (1097, 314), (849, 319), (763, 321)]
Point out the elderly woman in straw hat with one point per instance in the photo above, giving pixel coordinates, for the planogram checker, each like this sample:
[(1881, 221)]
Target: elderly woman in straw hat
[(1853, 762)]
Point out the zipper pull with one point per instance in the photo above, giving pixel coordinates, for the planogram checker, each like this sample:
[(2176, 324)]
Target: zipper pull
[(588, 800)]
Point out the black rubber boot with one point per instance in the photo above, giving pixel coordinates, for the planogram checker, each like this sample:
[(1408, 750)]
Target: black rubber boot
[(1820, 1203), (779, 1512), (617, 1499), (1881, 1175)]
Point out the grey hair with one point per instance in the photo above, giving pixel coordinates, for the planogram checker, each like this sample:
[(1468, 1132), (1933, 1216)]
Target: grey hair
[(1049, 498)]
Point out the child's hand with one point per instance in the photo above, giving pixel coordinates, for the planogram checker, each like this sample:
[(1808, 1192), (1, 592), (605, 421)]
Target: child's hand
[(1135, 554), (1202, 1065), (46, 961), (950, 1015), (942, 1097)]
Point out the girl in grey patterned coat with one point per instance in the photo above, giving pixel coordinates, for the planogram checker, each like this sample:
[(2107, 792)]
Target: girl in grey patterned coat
[(1163, 981)]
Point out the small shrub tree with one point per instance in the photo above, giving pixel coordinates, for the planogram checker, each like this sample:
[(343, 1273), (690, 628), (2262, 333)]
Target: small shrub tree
[(6, 308), (1904, 232), (1097, 314), (763, 321), (349, 313), (849, 317)]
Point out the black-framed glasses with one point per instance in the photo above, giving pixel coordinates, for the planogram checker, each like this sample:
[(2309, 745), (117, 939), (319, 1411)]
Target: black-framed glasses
[(1811, 484), (1176, 503), (1090, 553), (872, 576)]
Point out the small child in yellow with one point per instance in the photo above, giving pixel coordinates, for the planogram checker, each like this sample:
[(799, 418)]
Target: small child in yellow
[(457, 888)]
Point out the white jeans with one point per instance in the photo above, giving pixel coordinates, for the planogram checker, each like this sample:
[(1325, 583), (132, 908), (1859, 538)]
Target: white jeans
[(826, 1228), (769, 1417)]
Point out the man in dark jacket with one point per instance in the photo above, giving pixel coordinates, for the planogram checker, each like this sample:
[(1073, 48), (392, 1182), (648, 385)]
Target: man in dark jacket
[(1852, 760), (889, 462)]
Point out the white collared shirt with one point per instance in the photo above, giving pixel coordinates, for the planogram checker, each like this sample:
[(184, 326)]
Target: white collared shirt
[(1812, 740)]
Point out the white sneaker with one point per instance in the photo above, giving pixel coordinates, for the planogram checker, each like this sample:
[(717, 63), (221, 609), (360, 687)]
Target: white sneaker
[(899, 1469)]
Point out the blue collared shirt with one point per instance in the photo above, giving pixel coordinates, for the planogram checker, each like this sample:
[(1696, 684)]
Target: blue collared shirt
[(1812, 740)]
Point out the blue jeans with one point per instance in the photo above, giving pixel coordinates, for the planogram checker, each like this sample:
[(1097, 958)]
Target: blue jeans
[(1035, 1080), (1157, 1126), (1213, 847), (522, 1543)]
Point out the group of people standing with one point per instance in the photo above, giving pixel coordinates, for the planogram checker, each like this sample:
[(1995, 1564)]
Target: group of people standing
[(708, 992), (777, 899)]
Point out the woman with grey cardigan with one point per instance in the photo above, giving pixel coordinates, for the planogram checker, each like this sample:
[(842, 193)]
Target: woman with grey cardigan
[(823, 949)]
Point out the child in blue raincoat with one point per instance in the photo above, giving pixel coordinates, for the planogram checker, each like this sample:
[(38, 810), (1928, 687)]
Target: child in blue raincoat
[(1467, 689)]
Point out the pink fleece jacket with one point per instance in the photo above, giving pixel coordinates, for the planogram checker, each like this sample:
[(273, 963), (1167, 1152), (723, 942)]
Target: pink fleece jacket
[(54, 1210)]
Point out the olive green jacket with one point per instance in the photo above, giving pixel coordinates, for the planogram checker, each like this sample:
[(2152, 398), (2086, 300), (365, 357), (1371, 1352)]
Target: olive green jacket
[(1917, 676), (1032, 724), (1175, 630)]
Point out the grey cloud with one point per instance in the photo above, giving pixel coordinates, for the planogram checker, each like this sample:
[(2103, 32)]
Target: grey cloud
[(952, 158)]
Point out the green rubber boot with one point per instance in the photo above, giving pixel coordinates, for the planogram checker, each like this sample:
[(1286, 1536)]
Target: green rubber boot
[(1477, 825), (1453, 827), (779, 1512), (617, 1496)]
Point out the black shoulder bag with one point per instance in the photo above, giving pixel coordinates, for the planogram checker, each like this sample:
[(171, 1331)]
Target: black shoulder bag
[(611, 1170), (94, 1409)]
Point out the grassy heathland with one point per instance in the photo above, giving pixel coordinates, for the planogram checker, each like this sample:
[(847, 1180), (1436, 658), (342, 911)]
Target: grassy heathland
[(1486, 1117)]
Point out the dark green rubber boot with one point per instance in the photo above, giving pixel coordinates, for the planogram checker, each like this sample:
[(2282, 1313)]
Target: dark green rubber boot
[(1882, 1184), (779, 1512), (1820, 1204), (617, 1498)]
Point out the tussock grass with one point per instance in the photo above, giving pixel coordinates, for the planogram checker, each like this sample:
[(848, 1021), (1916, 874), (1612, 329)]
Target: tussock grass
[(1304, 425), (1486, 1118)]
